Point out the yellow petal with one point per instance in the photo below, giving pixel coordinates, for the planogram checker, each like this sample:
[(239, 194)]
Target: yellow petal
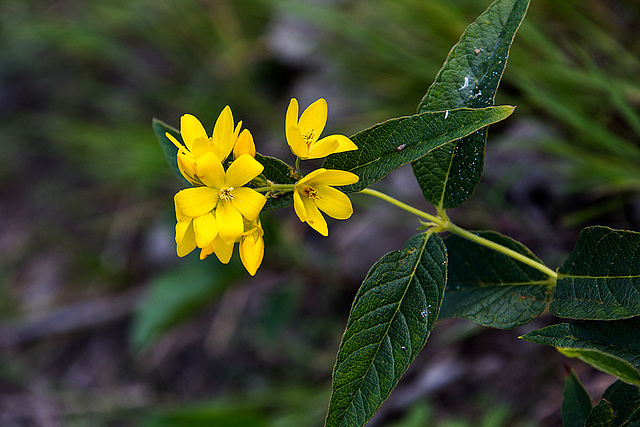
[(310, 177), (175, 141), (291, 119), (313, 119), (297, 143), (314, 217), (344, 143), (185, 237), (323, 148), (244, 145), (191, 129), (298, 206), (187, 167), (204, 145), (248, 202), (333, 202), (251, 252), (333, 177), (223, 250), (242, 170), (206, 229), (223, 133), (209, 170), (230, 224), (196, 201)]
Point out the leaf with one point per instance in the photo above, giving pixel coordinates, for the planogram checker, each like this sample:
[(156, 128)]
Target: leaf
[(576, 402), (490, 288), (619, 405), (169, 150), (178, 294), (601, 277), (391, 144), (600, 416), (469, 78), (610, 346), (391, 318)]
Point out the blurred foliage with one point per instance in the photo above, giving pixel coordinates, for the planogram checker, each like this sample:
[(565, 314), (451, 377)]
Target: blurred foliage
[(86, 194)]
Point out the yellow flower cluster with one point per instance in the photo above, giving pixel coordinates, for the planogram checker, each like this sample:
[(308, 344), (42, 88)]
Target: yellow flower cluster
[(220, 210)]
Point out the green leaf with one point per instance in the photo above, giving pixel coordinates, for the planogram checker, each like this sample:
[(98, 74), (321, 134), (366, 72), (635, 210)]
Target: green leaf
[(600, 416), (601, 277), (391, 144), (490, 288), (610, 346), (178, 294), (619, 406), (169, 150), (469, 78), (576, 402), (391, 318)]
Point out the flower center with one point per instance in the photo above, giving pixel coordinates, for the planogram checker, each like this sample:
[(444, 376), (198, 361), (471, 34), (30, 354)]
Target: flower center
[(310, 192), (308, 137), (225, 193)]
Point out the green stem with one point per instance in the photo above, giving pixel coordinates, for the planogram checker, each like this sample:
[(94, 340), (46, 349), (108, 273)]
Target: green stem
[(298, 165), (502, 249), (404, 206), (443, 223), (275, 187)]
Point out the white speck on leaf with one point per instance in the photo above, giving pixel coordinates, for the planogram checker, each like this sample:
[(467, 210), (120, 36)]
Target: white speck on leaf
[(446, 114), (466, 83)]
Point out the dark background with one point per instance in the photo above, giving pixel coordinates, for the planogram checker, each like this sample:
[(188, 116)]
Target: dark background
[(101, 324)]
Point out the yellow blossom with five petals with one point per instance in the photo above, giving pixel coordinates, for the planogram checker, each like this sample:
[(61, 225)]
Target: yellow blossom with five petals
[(303, 134), (314, 193), (218, 207)]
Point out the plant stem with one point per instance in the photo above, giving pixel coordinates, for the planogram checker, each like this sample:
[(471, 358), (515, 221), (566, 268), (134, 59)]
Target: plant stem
[(443, 223), (502, 249), (275, 187), (408, 208)]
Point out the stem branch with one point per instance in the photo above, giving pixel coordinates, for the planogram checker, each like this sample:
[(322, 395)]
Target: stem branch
[(443, 223)]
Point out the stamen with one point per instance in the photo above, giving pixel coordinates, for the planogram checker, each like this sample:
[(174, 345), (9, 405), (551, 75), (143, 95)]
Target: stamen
[(225, 193), (308, 137), (310, 192)]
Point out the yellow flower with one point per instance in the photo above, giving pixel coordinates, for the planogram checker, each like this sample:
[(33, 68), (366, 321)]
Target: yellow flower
[(196, 141), (252, 247), (314, 193), (303, 134), (218, 207)]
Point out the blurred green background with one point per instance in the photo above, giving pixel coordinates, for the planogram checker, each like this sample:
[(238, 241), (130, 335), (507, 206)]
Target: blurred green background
[(102, 325)]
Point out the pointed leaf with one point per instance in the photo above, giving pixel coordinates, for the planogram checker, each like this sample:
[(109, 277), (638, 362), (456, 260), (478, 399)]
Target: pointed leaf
[(391, 318), (469, 78), (601, 277), (619, 407), (610, 346), (169, 150), (576, 402), (391, 144), (490, 288)]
